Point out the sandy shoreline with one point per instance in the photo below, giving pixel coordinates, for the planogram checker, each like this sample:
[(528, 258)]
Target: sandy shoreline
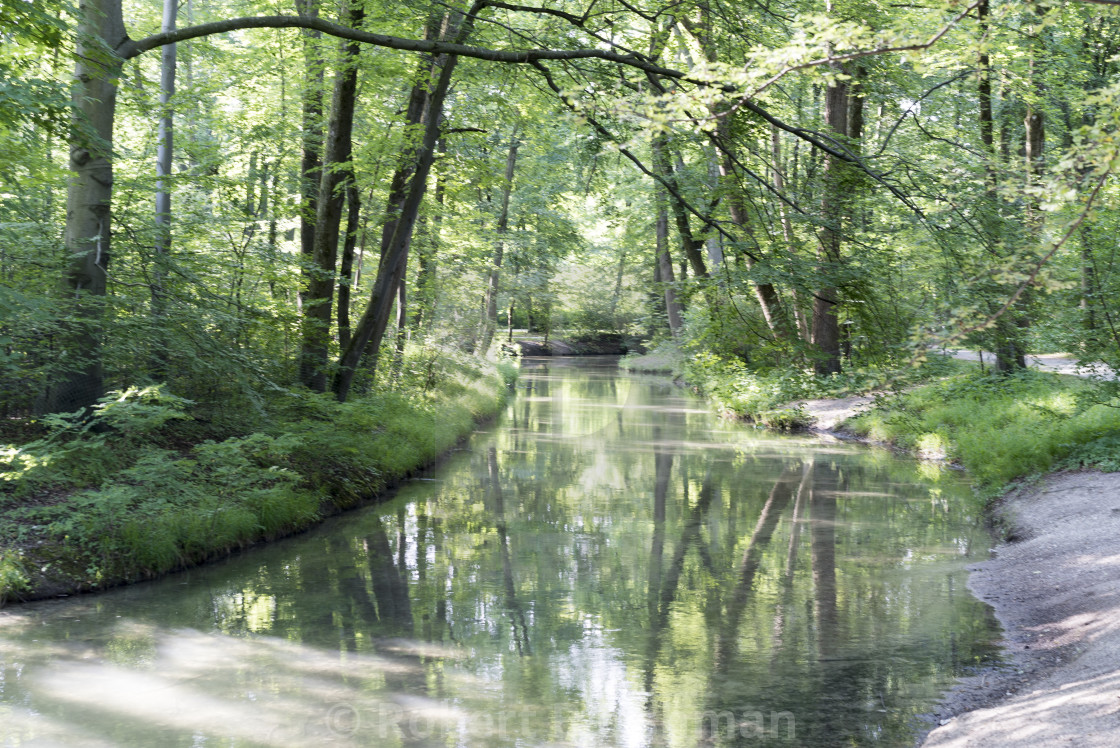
[(1056, 589)]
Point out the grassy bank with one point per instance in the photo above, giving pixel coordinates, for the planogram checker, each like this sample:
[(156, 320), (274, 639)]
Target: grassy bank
[(764, 396), (1001, 428), (144, 488)]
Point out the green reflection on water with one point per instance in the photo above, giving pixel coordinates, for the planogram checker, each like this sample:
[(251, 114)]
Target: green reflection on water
[(610, 565)]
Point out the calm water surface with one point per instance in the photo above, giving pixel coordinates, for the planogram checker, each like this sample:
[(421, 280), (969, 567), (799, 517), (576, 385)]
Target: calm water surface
[(610, 565)]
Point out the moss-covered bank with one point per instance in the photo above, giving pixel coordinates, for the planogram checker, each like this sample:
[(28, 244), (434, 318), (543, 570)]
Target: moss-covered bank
[(134, 493)]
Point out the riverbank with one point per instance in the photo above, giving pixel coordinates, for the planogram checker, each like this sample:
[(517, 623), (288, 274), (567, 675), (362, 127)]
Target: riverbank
[(1055, 588), (129, 495), (784, 398), (1030, 443), (1054, 581)]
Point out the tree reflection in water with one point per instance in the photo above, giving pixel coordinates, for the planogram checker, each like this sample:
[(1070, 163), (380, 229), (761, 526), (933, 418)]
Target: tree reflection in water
[(612, 566)]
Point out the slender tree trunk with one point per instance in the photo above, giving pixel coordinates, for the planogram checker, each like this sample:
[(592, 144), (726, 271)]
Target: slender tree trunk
[(1011, 349), (490, 321), (410, 181), (1006, 346), (663, 162), (427, 254), (984, 92), (665, 268), (1088, 286), (311, 162), (787, 228), (1035, 139), (331, 198), (402, 329), (425, 276), (165, 149), (826, 328), (346, 267)]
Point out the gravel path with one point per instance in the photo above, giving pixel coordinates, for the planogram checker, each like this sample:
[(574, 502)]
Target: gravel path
[(828, 414), (1056, 590), (1057, 362)]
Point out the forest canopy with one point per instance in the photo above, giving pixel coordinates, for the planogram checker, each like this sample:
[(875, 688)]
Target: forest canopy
[(230, 196)]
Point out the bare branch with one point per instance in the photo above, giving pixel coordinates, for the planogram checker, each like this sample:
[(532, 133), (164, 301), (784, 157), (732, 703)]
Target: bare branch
[(130, 48), (667, 184)]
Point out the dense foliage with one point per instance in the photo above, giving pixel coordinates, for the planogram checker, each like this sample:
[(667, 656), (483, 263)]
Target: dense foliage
[(231, 203), (1000, 428), (777, 185), (142, 487)]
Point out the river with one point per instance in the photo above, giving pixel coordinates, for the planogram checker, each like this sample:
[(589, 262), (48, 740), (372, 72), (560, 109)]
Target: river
[(607, 565)]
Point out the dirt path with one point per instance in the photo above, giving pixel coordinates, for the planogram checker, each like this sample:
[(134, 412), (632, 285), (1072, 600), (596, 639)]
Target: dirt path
[(828, 414), (1056, 590), (1056, 362)]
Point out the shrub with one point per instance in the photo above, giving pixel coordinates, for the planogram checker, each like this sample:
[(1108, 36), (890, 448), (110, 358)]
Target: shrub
[(13, 576)]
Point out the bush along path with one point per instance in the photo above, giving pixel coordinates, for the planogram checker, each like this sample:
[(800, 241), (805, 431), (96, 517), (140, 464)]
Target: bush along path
[(141, 488)]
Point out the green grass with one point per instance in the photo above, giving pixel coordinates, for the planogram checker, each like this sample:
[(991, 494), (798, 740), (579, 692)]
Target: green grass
[(123, 497), (1000, 428), (665, 359)]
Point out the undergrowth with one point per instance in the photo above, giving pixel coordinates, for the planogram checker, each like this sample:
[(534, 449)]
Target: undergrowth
[(120, 494), (1001, 428)]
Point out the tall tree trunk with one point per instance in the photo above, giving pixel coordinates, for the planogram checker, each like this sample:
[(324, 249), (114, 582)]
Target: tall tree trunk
[(402, 329), (425, 275), (427, 253), (88, 204), (346, 267), (1011, 349), (984, 92), (331, 197), (787, 228), (311, 162), (1035, 139), (665, 267), (826, 328), (490, 322), (406, 193), (663, 163), (165, 149), (1006, 346)]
